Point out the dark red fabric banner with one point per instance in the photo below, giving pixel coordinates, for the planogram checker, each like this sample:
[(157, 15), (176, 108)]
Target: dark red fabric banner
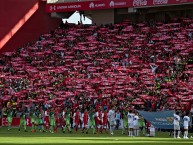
[(15, 122)]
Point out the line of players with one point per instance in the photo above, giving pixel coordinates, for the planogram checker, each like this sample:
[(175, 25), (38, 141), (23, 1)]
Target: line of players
[(100, 121)]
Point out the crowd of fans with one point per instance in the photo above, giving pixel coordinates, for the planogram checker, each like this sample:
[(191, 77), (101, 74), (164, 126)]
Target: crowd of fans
[(146, 66)]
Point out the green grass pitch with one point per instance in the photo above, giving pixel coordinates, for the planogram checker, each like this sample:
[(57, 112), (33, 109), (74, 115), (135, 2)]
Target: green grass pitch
[(39, 138)]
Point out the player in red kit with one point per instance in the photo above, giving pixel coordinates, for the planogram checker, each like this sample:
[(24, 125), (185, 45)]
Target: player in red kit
[(99, 120), (85, 121), (77, 119), (46, 120), (105, 120)]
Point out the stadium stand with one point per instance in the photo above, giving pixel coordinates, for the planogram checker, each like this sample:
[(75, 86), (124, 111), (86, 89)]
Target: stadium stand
[(145, 65)]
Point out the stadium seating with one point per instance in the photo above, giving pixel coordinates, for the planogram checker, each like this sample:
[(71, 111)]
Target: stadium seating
[(145, 65)]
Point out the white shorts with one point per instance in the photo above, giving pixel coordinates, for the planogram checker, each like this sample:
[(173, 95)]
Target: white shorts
[(131, 125), (186, 127), (176, 127), (136, 127), (86, 125)]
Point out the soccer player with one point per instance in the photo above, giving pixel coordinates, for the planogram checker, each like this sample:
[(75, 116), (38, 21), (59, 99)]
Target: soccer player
[(176, 124), (57, 120), (99, 120), (105, 120), (52, 121), (136, 124), (66, 115), (130, 122), (125, 122), (46, 119), (36, 119), (9, 117), (186, 124), (111, 118), (85, 121), (33, 117), (142, 125), (41, 122), (92, 120), (23, 122), (118, 118), (64, 120), (77, 119)]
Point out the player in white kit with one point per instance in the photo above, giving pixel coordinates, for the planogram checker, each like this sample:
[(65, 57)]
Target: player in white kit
[(136, 124), (130, 122), (176, 125), (111, 118), (186, 120)]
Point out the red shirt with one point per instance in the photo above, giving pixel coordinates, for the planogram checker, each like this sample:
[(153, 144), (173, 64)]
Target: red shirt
[(77, 116), (85, 117), (99, 115), (97, 106), (105, 117)]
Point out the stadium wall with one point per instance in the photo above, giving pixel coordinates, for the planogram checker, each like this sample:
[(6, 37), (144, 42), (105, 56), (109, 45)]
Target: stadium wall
[(14, 14), (103, 16)]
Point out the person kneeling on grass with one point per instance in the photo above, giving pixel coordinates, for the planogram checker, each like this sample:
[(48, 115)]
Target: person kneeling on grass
[(23, 122)]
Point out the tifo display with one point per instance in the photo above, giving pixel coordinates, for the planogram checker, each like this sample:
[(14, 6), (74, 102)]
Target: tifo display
[(82, 74)]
